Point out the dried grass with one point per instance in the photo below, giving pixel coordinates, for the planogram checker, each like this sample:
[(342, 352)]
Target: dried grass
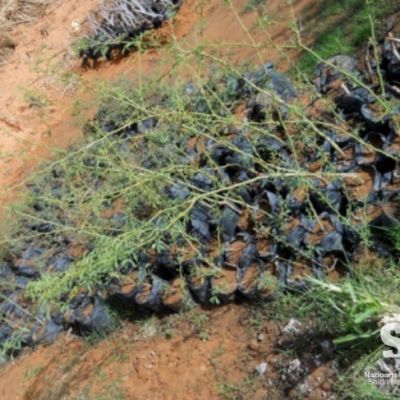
[(12, 13), (127, 16)]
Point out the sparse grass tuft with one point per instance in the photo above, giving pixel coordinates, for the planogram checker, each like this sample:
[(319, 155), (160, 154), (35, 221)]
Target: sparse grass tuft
[(13, 12), (348, 311), (341, 27)]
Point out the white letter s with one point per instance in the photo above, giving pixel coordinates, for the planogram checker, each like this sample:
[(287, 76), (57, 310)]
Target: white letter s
[(391, 340)]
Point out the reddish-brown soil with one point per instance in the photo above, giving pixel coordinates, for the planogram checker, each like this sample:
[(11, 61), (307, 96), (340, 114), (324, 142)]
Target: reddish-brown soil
[(197, 356)]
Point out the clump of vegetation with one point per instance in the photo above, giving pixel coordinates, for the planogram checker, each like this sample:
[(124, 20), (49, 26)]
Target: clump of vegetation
[(357, 305), (349, 314), (117, 26), (342, 27), (13, 12)]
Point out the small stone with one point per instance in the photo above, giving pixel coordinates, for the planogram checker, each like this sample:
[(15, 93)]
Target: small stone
[(326, 386), (344, 62), (76, 26), (294, 366), (253, 345), (292, 327), (260, 337), (262, 368)]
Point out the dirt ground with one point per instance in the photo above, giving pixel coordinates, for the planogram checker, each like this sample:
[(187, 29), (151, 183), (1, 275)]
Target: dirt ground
[(226, 353), (202, 355)]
